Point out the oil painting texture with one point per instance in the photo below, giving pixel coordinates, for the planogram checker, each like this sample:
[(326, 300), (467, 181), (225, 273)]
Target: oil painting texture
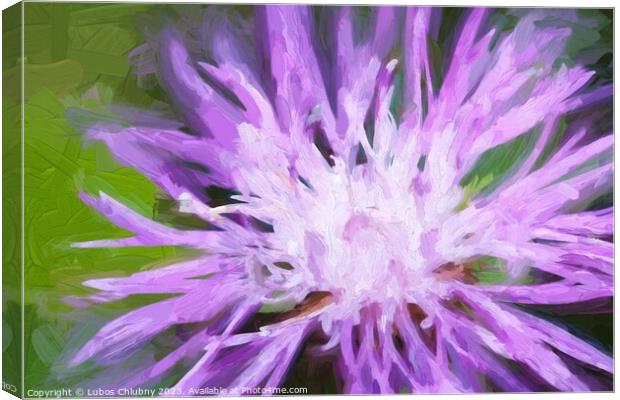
[(363, 200)]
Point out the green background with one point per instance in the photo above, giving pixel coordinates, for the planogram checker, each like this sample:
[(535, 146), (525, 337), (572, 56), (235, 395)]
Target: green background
[(76, 56)]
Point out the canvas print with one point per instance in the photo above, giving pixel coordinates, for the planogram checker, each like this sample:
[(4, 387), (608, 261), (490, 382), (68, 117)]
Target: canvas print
[(301, 199)]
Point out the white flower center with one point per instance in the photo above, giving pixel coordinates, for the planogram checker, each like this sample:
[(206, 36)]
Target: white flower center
[(363, 245)]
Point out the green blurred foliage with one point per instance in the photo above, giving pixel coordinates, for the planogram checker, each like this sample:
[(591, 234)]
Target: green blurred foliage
[(71, 49)]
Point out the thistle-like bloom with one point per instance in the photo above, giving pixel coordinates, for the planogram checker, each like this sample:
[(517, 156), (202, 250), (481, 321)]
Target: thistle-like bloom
[(337, 169)]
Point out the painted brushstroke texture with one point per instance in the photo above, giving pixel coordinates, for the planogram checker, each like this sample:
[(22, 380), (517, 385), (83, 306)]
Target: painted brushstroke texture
[(354, 209)]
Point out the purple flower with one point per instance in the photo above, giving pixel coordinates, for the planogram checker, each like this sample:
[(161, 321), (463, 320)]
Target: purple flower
[(345, 157)]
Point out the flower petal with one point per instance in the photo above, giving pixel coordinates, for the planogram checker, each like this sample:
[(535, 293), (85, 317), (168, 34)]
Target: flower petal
[(123, 334), (205, 110), (148, 232)]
